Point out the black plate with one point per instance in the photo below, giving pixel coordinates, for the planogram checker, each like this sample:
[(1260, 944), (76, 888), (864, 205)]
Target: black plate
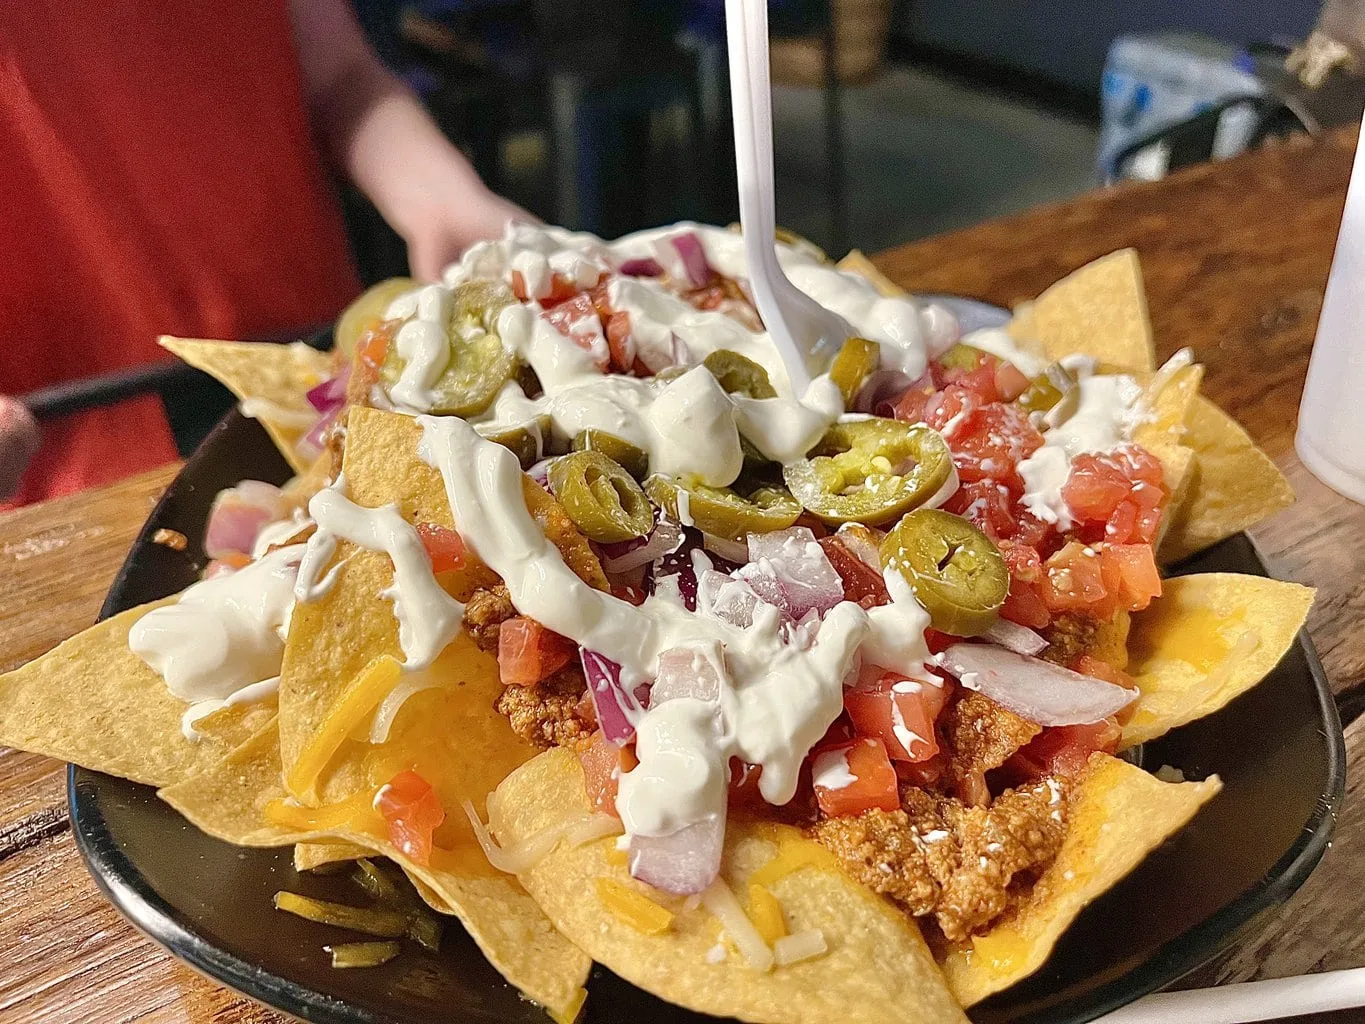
[(1278, 748)]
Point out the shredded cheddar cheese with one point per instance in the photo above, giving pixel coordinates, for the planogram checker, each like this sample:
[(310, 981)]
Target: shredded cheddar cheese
[(364, 694), (633, 908)]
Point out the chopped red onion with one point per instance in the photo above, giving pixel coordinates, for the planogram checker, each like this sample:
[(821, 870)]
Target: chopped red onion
[(684, 257), (790, 569), (862, 542), (644, 266), (616, 706), (736, 551), (724, 597), (540, 472), (687, 861), (237, 515), (666, 538), (1014, 637), (331, 393), (311, 444), (879, 388), (1033, 689)]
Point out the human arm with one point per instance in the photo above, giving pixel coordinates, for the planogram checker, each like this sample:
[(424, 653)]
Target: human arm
[(377, 131), (18, 444)]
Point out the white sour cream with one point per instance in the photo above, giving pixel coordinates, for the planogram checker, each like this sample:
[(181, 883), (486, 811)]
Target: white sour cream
[(1000, 344), (1106, 411), (428, 617), (775, 700), (224, 633)]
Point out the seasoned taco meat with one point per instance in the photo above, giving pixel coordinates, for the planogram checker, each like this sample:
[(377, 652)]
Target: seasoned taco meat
[(1068, 637), (485, 612), (553, 713), (938, 856), (981, 735)]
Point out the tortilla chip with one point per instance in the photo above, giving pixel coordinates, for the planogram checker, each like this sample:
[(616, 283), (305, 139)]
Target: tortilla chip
[(312, 856), (877, 968), (228, 802), (1205, 640), (449, 733), (1101, 310), (1233, 484), (93, 702), (273, 378), (856, 263), (1118, 815)]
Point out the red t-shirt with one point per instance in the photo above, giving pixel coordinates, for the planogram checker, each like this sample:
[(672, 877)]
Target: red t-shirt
[(157, 176)]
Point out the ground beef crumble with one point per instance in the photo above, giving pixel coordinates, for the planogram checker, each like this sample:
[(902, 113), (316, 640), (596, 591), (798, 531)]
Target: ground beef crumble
[(938, 856), (980, 736), (1068, 637), (485, 612), (553, 713)]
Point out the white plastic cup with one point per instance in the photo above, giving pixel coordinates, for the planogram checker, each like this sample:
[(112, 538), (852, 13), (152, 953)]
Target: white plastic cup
[(1331, 435)]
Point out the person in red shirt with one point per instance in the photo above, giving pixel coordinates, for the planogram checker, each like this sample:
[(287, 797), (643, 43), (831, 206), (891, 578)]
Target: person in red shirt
[(165, 172)]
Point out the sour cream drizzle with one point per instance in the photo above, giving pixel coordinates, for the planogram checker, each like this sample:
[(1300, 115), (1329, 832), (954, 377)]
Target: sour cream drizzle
[(775, 699), (224, 633), (1103, 416), (686, 426), (428, 617)]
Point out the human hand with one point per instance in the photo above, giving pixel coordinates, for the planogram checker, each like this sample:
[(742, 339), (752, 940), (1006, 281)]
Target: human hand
[(449, 222), (19, 442)]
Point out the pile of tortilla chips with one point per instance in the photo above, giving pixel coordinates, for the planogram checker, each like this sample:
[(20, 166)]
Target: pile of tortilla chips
[(304, 773)]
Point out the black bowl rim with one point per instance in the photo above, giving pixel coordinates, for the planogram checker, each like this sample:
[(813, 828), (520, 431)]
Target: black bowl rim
[(125, 886)]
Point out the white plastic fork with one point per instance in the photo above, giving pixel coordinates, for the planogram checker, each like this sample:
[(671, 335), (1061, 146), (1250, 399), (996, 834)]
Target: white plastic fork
[(806, 334)]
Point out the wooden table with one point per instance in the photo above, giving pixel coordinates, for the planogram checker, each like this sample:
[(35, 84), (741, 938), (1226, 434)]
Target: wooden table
[(1235, 255)]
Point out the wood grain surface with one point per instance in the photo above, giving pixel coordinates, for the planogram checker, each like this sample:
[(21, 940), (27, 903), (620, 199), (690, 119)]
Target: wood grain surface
[(1235, 256)]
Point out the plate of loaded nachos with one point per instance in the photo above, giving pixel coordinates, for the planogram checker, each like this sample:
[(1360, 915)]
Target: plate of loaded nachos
[(553, 611)]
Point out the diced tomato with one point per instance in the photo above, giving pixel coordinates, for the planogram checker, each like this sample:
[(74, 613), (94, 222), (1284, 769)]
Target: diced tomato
[(577, 319), (1134, 567), (603, 763), (619, 342), (937, 641), (990, 506), (909, 405), (987, 441), (1062, 750), (561, 288), (443, 546), (1010, 381), (629, 592), (1072, 581), (900, 712), (1116, 496), (979, 380), (1087, 665), (862, 584), (373, 345), (873, 781), (744, 784), (413, 812), (1024, 605), (528, 652)]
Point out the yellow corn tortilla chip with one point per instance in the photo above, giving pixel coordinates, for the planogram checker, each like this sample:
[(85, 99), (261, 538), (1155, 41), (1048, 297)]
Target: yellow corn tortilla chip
[(95, 703), (856, 263), (271, 380), (877, 967), (1101, 310), (228, 801), (1163, 435), (312, 856), (1233, 484), (1205, 640), (1118, 815)]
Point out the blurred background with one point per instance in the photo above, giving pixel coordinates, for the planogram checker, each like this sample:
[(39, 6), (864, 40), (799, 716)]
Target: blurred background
[(895, 119)]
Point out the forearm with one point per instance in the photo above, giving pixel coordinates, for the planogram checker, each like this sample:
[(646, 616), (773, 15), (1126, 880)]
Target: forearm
[(369, 123)]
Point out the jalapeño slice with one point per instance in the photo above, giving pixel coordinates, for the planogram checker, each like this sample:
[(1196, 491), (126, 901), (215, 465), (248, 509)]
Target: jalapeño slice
[(601, 498), (870, 471), (721, 511), (479, 364), (856, 359), (739, 375), (952, 568), (633, 459)]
